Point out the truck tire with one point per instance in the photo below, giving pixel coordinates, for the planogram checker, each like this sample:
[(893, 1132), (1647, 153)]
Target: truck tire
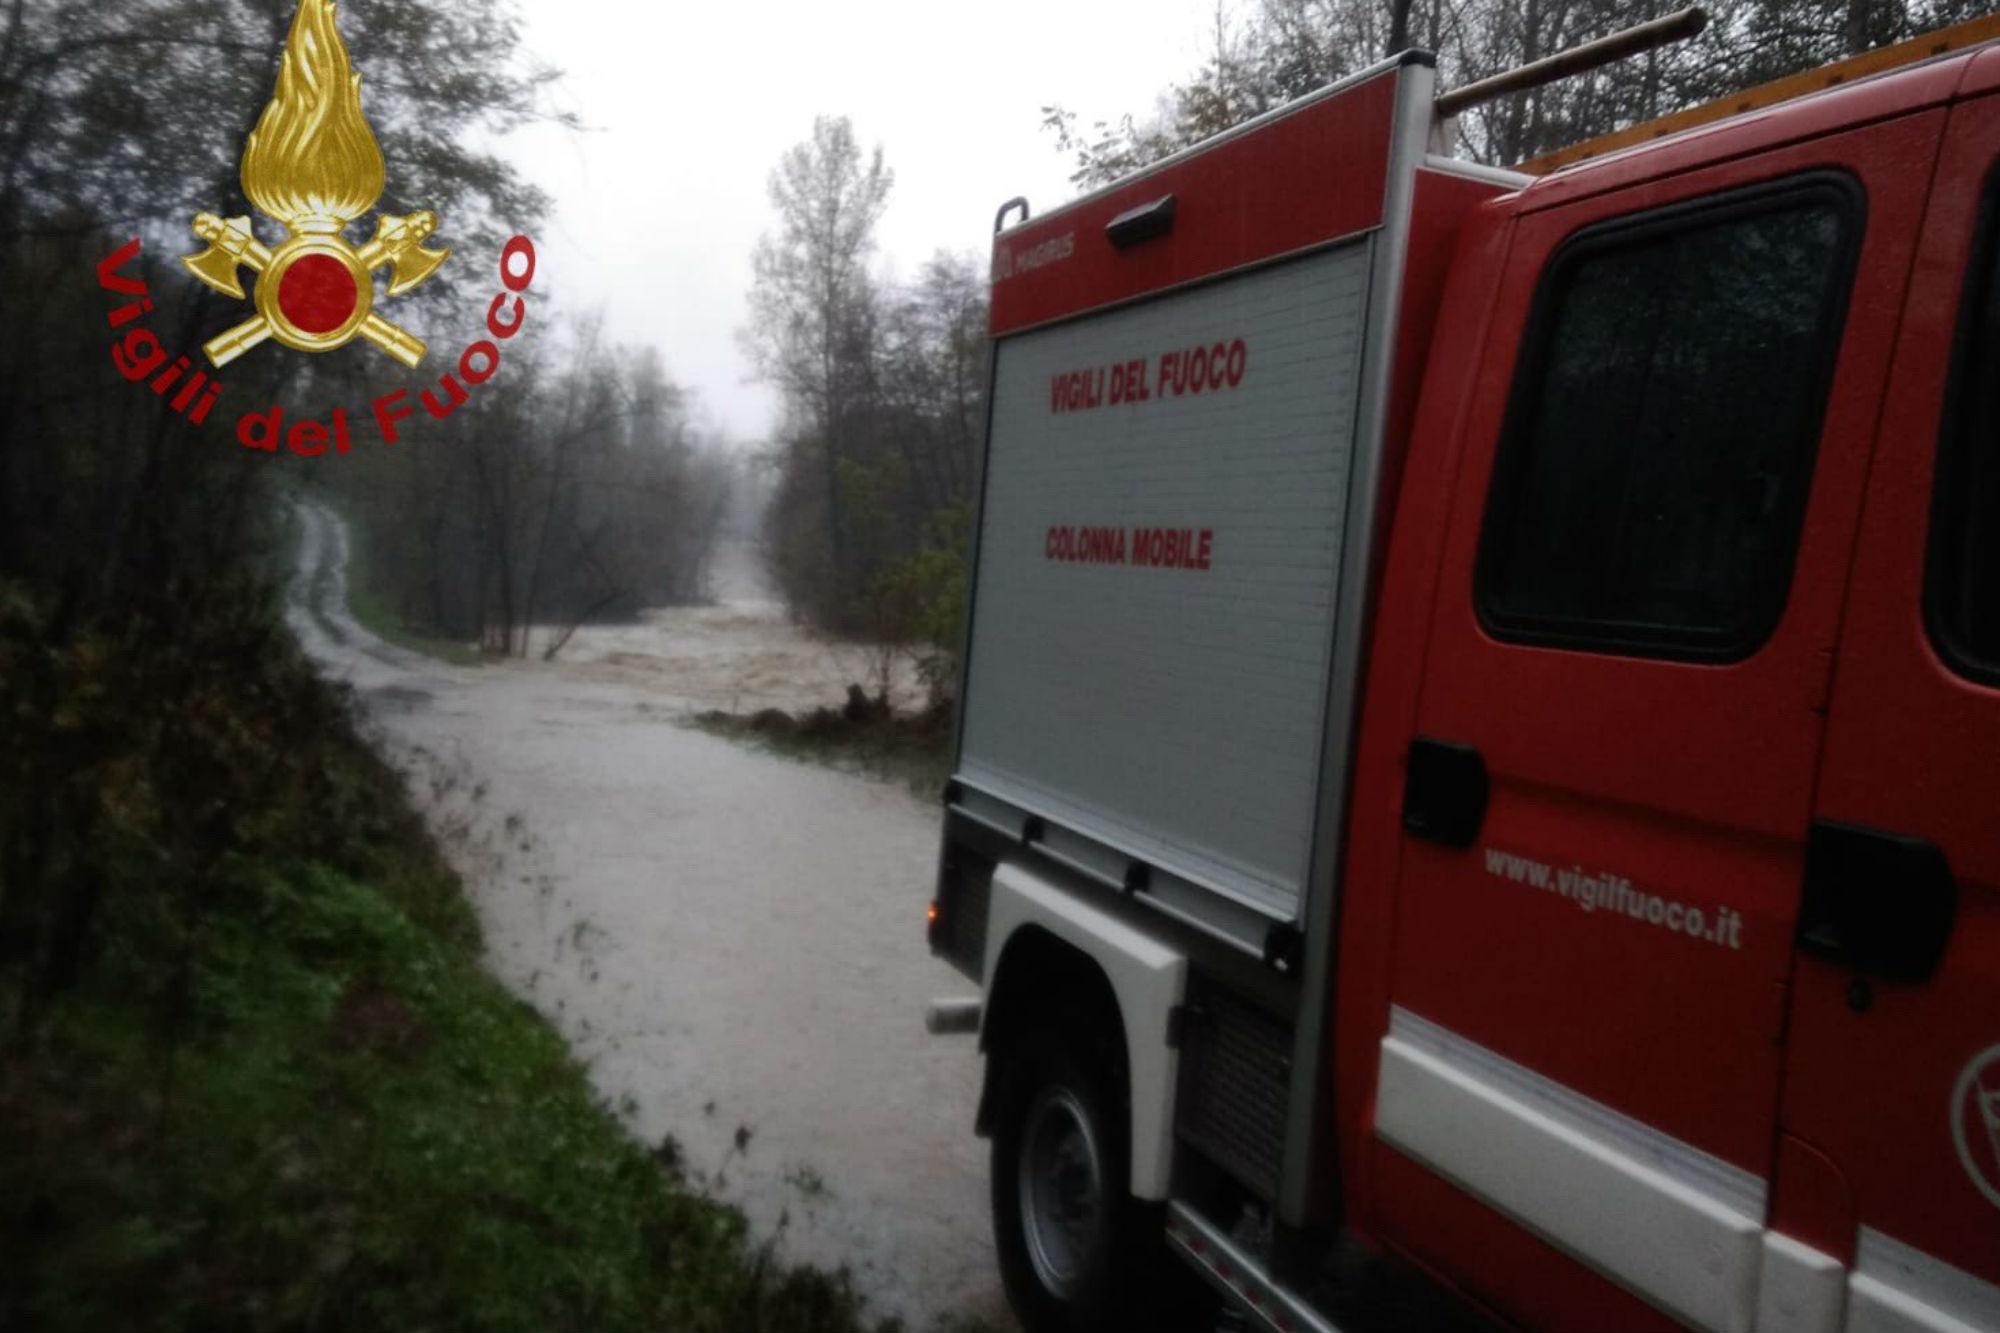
[(1078, 1254)]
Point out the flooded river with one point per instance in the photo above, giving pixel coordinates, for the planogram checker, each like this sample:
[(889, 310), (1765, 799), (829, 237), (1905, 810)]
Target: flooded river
[(733, 942)]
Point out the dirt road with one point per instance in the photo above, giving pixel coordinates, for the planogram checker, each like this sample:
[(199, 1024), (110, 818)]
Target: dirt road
[(733, 942)]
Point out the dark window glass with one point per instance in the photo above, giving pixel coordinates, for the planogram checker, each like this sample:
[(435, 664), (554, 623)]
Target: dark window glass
[(1660, 443), (1965, 550)]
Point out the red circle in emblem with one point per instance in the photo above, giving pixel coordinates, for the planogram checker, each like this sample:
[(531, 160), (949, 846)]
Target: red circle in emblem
[(317, 294)]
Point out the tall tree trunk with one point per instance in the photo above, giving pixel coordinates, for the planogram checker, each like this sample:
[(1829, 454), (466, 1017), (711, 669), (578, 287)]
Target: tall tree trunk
[(836, 521), (1399, 26), (553, 499), (1856, 34)]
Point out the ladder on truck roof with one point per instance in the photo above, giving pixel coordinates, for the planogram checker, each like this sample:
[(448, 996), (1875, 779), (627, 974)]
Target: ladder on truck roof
[(1881, 60)]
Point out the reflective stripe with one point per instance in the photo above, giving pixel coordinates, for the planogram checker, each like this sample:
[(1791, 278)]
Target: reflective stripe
[(1801, 1289), (1897, 1288), (1739, 1190), (1678, 1226)]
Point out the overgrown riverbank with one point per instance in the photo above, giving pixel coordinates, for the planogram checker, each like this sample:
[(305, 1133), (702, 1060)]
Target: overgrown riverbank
[(365, 603), (254, 1075), (865, 735)]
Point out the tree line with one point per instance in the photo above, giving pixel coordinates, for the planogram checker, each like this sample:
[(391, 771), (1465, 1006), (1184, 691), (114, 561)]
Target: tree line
[(578, 487), (882, 387), (151, 692), (1275, 50)]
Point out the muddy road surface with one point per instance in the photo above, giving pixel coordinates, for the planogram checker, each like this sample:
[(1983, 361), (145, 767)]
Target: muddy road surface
[(733, 942)]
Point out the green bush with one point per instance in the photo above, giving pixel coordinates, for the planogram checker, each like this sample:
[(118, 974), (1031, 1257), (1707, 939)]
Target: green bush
[(918, 602)]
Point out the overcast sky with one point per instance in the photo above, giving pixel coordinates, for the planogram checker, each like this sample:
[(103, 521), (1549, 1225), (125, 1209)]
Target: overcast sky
[(658, 206)]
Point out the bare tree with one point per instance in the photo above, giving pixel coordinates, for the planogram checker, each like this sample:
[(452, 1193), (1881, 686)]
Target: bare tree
[(811, 303)]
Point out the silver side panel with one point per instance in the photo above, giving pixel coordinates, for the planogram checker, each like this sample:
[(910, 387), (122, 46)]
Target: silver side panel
[(1174, 715), (1307, 1176)]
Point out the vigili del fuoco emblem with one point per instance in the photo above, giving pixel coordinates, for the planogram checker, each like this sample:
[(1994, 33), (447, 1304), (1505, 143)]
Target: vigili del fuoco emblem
[(313, 164)]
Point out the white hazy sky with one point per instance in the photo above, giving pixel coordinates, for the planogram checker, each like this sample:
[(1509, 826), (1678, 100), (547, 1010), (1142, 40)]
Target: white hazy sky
[(659, 204)]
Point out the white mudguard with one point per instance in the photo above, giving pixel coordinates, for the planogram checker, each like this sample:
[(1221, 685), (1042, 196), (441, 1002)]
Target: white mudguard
[(1147, 977)]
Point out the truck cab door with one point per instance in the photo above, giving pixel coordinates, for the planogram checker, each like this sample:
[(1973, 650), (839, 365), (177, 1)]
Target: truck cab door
[(1890, 1159), (1620, 719)]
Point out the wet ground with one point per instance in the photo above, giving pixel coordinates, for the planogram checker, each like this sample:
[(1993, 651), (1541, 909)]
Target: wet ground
[(733, 942)]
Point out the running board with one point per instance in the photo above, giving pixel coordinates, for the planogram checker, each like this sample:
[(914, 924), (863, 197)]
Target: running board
[(1238, 1276)]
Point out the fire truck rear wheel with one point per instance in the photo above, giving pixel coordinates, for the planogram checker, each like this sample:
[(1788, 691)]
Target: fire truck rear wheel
[(1078, 1254)]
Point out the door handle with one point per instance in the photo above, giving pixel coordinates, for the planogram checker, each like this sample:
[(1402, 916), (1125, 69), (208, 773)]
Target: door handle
[(1445, 788), (1880, 903)]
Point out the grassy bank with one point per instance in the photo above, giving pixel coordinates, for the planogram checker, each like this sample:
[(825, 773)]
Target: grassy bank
[(252, 1074), (370, 607), (365, 604), (864, 736)]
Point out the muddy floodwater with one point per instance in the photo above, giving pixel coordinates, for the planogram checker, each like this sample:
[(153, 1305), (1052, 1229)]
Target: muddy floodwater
[(732, 942)]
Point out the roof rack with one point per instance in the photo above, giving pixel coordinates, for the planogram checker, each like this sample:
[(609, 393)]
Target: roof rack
[(1640, 37), (1879, 61)]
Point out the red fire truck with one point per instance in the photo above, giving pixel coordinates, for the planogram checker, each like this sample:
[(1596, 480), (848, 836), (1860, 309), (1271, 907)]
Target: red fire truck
[(1477, 769)]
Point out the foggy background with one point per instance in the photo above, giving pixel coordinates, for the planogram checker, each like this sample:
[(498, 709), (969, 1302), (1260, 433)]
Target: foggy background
[(657, 203)]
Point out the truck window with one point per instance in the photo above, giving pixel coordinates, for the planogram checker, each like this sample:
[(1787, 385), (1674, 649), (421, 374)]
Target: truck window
[(1963, 597), (1659, 443)]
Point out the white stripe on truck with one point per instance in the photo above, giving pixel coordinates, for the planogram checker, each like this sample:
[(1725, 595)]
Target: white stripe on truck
[(1897, 1288), (1677, 1226)]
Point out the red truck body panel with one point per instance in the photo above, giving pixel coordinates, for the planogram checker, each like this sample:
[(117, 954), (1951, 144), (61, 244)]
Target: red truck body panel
[(1705, 774), (1911, 746), (1600, 1064), (1311, 175)]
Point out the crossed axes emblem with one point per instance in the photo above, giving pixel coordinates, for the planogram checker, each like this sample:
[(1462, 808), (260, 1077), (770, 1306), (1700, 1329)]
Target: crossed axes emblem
[(314, 165), (315, 292)]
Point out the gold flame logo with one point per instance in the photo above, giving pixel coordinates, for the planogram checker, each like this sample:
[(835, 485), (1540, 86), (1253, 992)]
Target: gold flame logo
[(313, 164)]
